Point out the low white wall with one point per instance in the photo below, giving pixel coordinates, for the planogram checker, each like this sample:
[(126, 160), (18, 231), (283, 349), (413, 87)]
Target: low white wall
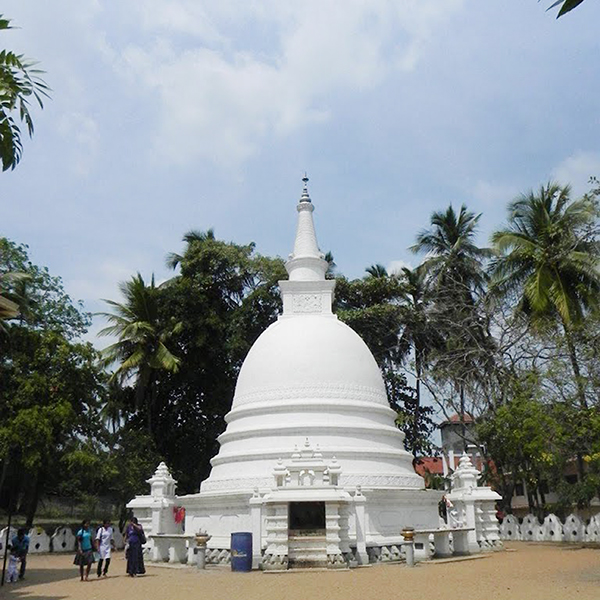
[(62, 540), (574, 529)]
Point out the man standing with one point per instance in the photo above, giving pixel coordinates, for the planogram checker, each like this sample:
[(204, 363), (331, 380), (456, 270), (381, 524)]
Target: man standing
[(20, 546)]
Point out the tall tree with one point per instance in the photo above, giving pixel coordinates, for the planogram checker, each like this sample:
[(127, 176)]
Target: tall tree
[(225, 295), (547, 261), (20, 83), (141, 348), (420, 335), (50, 385), (371, 306), (454, 261), (455, 269)]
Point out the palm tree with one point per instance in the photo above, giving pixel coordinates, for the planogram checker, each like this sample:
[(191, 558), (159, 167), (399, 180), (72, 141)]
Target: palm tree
[(19, 82), (174, 259), (141, 349), (548, 259), (455, 269), (453, 258), (377, 270)]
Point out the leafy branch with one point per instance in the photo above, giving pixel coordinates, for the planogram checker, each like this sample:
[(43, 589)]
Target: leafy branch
[(20, 83)]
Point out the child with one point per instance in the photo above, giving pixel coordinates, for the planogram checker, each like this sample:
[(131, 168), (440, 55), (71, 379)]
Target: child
[(12, 573)]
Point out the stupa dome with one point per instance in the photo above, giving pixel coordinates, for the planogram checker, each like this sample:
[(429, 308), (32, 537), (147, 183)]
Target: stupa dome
[(310, 377), (319, 355)]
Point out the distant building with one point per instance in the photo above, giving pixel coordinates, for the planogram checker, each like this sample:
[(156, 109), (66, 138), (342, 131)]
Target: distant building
[(454, 443), (452, 434)]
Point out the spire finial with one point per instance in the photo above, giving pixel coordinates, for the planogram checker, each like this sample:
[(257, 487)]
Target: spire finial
[(305, 197)]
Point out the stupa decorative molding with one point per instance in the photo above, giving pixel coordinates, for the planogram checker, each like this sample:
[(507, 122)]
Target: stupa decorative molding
[(320, 390), (217, 485), (307, 303), (381, 481)]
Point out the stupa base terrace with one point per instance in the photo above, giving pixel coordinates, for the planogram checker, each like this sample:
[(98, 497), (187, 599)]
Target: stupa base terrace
[(307, 518)]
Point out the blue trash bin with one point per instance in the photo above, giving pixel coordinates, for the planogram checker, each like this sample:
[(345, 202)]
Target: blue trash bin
[(241, 551)]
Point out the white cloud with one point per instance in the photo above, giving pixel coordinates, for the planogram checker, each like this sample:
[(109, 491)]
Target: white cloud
[(253, 71), (576, 170), (83, 137), (494, 194)]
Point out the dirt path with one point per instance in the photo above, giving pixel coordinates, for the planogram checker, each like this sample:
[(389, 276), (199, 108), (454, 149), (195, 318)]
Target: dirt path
[(528, 572)]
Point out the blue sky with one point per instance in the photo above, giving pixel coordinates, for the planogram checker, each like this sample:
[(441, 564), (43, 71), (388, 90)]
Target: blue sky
[(187, 114)]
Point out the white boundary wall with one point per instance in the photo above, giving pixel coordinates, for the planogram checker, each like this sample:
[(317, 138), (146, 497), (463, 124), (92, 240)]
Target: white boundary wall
[(574, 529)]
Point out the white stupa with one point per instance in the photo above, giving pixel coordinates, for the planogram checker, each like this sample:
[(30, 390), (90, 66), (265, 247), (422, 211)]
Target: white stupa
[(311, 461)]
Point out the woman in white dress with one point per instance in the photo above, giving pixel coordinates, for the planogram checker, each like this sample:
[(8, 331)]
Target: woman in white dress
[(105, 543)]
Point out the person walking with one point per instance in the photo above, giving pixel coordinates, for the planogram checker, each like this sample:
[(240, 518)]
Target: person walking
[(135, 538), (85, 550), (20, 547), (104, 543)]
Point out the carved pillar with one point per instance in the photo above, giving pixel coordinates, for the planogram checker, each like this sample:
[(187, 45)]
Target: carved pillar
[(335, 558), (344, 530), (256, 519), (276, 554), (488, 532), (361, 527)]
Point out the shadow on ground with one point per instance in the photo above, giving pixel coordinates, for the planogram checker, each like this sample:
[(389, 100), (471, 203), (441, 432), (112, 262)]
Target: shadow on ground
[(39, 576)]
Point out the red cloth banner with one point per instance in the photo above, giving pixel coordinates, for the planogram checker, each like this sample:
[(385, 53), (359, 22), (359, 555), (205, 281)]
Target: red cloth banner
[(178, 514)]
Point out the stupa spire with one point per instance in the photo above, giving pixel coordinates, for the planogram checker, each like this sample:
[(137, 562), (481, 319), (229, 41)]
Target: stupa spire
[(306, 262)]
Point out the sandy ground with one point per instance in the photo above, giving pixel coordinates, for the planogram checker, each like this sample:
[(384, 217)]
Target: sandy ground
[(526, 571)]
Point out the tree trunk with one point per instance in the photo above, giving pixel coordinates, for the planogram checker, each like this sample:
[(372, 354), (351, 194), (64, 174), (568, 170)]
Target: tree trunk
[(417, 395), (122, 516), (575, 366), (34, 498), (530, 501), (152, 406), (5, 464)]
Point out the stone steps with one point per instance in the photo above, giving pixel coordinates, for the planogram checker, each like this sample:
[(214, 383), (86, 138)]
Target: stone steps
[(306, 552)]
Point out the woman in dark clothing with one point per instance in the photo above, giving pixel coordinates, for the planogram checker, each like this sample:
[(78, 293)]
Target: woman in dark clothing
[(134, 538)]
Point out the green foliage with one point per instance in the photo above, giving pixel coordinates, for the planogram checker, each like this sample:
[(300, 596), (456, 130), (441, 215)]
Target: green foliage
[(207, 316), (548, 263), (371, 306), (565, 6), (50, 385), (414, 420), (549, 256), (141, 350), (42, 301), (20, 83), (389, 316), (454, 262)]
